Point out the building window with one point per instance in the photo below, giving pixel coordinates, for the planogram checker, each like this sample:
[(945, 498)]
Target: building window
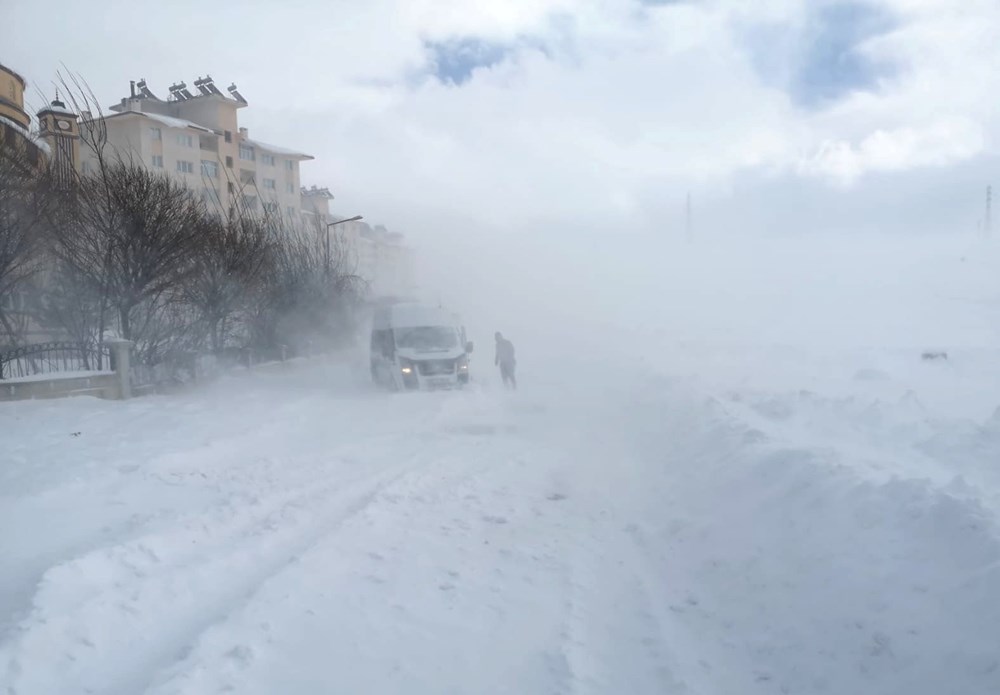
[(292, 212), (267, 159), (247, 153), (85, 168), (185, 167), (270, 184), (290, 188), (250, 202), (290, 164), (229, 162), (157, 161), (185, 140), (229, 136), (271, 207), (210, 168), (155, 134), (230, 187), (247, 176)]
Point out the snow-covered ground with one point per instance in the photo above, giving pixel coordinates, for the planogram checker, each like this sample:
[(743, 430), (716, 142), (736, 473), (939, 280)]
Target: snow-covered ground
[(660, 514)]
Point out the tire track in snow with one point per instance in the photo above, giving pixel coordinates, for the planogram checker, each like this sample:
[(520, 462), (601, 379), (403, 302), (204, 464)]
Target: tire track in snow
[(614, 638), (134, 594), (204, 469), (446, 561), (422, 474)]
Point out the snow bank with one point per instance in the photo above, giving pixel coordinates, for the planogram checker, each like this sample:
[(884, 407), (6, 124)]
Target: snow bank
[(827, 563)]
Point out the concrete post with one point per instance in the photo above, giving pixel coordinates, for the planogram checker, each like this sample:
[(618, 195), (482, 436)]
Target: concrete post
[(121, 351)]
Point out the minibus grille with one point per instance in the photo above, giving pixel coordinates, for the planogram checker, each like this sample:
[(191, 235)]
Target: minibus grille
[(436, 367)]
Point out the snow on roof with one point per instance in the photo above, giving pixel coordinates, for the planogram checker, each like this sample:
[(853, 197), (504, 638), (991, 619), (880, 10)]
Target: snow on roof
[(30, 137), (278, 150), (53, 108), (172, 122), (16, 126)]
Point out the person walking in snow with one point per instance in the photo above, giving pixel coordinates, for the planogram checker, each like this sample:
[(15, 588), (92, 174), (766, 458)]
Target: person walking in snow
[(505, 360)]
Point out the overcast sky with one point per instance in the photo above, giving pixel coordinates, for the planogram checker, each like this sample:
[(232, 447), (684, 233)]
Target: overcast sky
[(581, 114)]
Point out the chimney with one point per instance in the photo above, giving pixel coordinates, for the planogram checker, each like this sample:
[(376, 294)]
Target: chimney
[(131, 84)]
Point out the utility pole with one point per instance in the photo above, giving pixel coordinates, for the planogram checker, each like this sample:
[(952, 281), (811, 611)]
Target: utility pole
[(688, 222)]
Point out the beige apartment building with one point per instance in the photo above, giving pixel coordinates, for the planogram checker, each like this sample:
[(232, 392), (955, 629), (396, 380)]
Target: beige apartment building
[(196, 137)]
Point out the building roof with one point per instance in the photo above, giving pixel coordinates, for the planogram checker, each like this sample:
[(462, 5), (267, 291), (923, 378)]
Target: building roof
[(283, 151), (58, 107), (16, 75), (172, 122), (315, 192), (168, 121)]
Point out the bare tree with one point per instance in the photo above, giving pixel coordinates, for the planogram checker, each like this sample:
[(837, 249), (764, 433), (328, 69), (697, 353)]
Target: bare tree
[(134, 248), (233, 258), (133, 233), (69, 302), (26, 200), (308, 294)]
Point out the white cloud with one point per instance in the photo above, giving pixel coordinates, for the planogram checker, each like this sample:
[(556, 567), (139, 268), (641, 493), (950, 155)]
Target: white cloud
[(938, 145), (619, 100)]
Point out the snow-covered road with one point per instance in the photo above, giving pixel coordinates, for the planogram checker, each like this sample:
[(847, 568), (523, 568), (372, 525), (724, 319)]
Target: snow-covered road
[(296, 532)]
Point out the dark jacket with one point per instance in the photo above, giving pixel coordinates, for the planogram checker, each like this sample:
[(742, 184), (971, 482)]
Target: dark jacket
[(505, 352)]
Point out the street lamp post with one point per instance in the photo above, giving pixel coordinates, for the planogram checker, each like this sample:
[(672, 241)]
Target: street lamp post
[(356, 218)]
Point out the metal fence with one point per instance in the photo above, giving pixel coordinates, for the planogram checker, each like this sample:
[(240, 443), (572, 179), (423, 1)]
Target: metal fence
[(53, 357), (179, 368), (172, 370)]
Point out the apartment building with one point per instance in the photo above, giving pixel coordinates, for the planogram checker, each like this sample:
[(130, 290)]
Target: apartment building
[(381, 257), (55, 143), (13, 117), (196, 137)]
